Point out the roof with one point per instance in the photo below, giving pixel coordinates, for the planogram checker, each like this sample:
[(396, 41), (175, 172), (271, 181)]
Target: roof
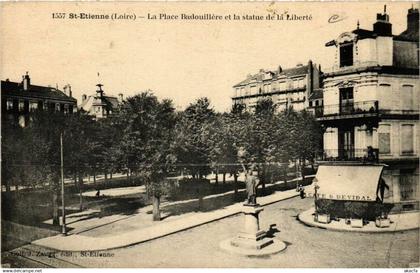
[(361, 34), (411, 35), (290, 72), (408, 35), (109, 102), (316, 94), (34, 91)]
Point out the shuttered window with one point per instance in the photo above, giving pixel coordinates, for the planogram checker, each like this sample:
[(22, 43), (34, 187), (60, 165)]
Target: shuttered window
[(407, 139), (384, 139)]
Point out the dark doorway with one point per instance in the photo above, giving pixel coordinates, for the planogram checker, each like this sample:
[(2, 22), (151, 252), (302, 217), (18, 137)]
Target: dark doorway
[(346, 100), (346, 143)]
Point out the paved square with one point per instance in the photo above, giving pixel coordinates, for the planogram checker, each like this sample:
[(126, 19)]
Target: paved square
[(307, 246)]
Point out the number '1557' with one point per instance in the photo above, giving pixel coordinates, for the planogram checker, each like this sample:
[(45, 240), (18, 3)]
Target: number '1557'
[(58, 15)]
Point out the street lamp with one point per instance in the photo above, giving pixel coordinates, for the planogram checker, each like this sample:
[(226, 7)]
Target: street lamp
[(63, 213), (316, 187)]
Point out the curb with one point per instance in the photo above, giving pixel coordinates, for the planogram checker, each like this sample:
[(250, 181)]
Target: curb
[(306, 218), (59, 240)]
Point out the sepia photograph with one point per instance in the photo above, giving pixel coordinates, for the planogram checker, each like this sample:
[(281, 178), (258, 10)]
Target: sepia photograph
[(210, 135)]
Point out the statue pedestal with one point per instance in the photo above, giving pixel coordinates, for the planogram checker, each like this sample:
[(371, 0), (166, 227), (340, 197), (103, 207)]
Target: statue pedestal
[(252, 241)]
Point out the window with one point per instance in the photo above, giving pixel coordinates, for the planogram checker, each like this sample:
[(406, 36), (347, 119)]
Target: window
[(33, 106), (282, 86), (407, 139), (388, 99), (66, 108), (316, 103), (300, 83), (275, 86), (384, 139), (346, 54), (407, 97), (346, 100), (408, 186), (310, 103), (57, 107), (21, 106), (9, 105), (22, 121), (253, 90)]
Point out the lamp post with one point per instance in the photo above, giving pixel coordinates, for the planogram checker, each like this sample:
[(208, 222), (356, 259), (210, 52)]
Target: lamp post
[(316, 187), (63, 212)]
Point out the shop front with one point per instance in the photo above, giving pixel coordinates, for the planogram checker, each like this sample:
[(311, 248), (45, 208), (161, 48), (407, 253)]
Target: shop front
[(355, 192)]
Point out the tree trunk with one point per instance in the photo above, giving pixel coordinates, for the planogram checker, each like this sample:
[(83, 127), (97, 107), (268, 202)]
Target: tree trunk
[(16, 188), (285, 177), (80, 192), (156, 208), (262, 180), (217, 177), (106, 176), (7, 187), (56, 219), (94, 176), (110, 175), (302, 170), (235, 179), (224, 177)]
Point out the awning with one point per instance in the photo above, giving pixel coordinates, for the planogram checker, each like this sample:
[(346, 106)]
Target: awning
[(348, 182)]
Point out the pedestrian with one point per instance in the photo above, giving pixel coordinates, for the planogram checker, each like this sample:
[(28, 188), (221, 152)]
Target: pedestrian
[(302, 193)]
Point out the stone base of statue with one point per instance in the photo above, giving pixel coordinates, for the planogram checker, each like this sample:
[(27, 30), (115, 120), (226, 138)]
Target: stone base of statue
[(252, 241)]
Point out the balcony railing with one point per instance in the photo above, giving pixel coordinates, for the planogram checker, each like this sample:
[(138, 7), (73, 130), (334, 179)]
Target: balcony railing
[(355, 65), (342, 154), (348, 108)]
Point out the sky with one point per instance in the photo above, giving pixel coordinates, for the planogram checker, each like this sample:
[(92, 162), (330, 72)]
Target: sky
[(177, 59)]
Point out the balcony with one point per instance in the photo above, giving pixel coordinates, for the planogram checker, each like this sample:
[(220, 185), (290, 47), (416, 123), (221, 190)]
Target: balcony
[(361, 155), (359, 109), (354, 67)]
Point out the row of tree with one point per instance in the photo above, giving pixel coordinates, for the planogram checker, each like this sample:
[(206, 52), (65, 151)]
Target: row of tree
[(151, 140)]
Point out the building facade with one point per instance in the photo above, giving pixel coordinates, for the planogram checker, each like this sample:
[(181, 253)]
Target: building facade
[(20, 99), (371, 104), (100, 105), (286, 87)]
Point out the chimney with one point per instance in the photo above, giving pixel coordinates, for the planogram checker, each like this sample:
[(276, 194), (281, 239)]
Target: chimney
[(382, 26), (84, 97), (310, 78), (413, 20), (67, 90), (120, 98), (26, 81), (280, 69)]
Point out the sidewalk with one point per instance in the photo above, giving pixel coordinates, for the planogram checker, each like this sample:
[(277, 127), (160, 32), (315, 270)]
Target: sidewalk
[(399, 222), (78, 242)]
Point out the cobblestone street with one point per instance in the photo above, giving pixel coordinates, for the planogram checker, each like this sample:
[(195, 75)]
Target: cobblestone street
[(307, 246)]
